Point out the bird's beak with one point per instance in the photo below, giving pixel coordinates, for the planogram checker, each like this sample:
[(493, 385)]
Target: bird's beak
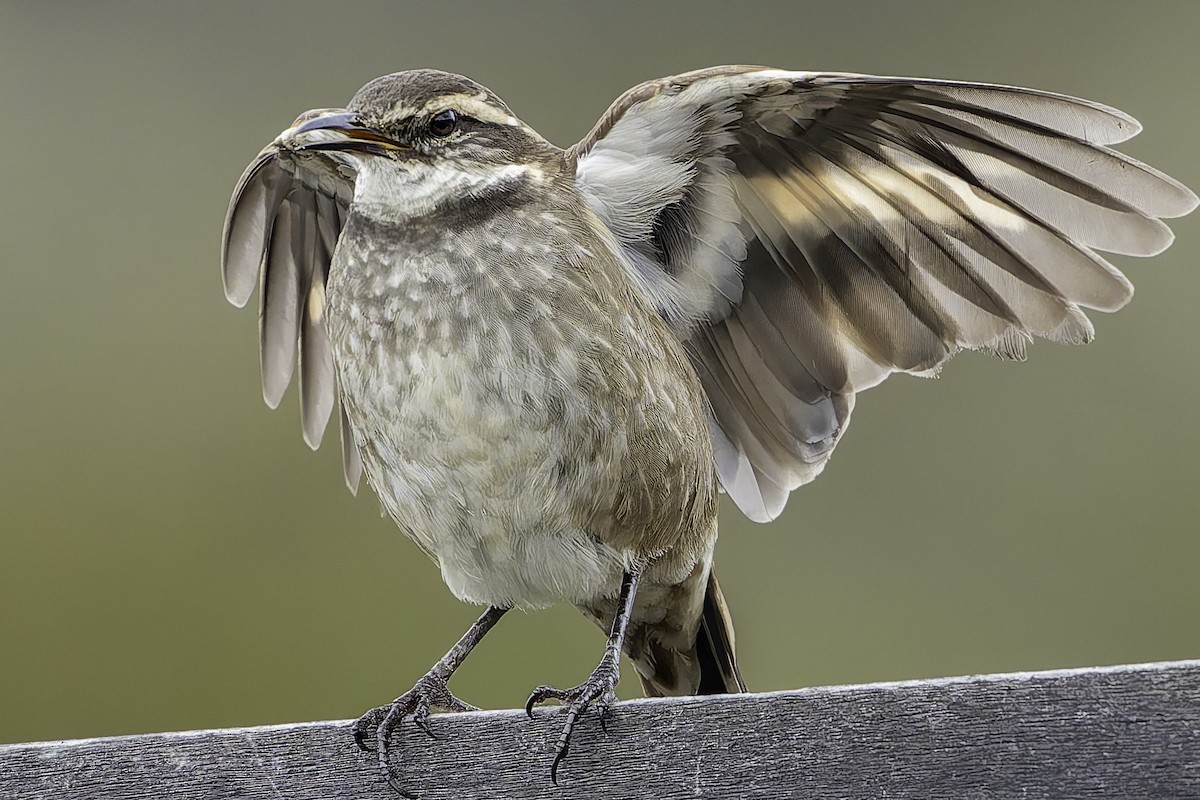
[(335, 129)]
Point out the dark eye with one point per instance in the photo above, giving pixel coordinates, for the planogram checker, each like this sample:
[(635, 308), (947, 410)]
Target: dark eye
[(443, 123)]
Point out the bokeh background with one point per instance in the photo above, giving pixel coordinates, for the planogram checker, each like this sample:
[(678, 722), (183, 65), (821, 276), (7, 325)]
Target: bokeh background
[(172, 556)]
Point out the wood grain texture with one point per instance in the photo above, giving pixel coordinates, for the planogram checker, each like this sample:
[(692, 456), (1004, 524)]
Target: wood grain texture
[(1118, 732)]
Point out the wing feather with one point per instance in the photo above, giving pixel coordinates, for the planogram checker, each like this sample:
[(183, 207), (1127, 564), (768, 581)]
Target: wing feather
[(281, 231), (808, 234), (279, 301), (317, 380)]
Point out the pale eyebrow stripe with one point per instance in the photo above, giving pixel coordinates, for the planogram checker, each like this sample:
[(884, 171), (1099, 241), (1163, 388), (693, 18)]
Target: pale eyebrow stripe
[(473, 105)]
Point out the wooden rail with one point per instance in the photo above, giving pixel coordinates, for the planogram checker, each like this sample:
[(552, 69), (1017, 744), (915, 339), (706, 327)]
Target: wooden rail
[(1118, 732)]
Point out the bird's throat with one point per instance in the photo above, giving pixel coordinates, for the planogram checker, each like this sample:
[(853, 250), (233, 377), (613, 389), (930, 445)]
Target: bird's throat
[(402, 192)]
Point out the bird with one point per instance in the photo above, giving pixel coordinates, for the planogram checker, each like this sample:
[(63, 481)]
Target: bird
[(549, 363)]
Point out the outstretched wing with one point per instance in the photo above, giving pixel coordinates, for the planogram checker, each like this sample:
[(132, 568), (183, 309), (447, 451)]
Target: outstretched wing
[(280, 232), (809, 234)]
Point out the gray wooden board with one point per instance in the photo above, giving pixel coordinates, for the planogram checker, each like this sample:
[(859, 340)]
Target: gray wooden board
[(1117, 732)]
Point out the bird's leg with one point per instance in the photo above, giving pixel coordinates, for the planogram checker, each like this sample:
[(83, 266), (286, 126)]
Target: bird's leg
[(600, 687), (429, 692)]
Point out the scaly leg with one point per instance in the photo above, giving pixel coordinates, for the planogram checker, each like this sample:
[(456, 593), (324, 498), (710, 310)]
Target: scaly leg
[(429, 692), (600, 687)]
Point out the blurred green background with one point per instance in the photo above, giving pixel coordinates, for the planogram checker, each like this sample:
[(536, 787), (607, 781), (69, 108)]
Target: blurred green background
[(172, 556)]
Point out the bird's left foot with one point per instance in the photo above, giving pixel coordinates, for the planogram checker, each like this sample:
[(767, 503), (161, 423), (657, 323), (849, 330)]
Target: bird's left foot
[(599, 688)]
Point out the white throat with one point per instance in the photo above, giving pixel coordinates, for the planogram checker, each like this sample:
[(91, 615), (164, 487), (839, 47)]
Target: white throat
[(389, 192)]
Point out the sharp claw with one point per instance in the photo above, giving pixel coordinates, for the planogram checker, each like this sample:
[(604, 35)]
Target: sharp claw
[(540, 695), (421, 720), (363, 726), (429, 692), (544, 693), (598, 691), (400, 790), (558, 757)]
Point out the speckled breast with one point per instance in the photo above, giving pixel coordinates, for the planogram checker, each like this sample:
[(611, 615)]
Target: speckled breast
[(516, 424)]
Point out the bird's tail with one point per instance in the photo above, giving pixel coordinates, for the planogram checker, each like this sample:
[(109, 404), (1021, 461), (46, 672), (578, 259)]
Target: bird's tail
[(719, 672), (713, 655)]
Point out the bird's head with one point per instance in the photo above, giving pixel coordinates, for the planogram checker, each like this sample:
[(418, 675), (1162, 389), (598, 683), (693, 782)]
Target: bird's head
[(421, 140)]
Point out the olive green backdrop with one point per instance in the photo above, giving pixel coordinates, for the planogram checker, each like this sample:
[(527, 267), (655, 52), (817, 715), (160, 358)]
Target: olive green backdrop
[(172, 556)]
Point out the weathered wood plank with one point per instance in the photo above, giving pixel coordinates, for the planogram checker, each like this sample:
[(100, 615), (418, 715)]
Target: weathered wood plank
[(1120, 732)]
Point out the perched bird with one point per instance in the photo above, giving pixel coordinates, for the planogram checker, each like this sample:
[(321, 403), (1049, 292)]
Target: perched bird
[(549, 362)]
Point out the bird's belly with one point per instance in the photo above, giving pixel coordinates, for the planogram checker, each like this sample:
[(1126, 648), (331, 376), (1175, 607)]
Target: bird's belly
[(467, 456)]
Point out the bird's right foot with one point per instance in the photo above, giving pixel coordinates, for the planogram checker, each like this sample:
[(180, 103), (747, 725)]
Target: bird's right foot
[(429, 693)]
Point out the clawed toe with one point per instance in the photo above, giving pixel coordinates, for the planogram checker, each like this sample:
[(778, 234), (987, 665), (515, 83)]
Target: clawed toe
[(429, 693), (598, 689), (366, 726), (543, 693)]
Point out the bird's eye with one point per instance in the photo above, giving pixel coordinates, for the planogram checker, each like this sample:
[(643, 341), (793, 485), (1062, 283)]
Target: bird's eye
[(443, 123)]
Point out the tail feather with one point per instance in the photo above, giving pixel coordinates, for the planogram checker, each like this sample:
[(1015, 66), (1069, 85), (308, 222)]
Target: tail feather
[(709, 666), (719, 672)]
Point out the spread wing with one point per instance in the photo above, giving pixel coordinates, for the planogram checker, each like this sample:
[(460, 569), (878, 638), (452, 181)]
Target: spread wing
[(280, 232), (809, 234)]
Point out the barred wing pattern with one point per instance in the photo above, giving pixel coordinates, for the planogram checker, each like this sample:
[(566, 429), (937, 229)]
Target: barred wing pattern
[(281, 230), (809, 234)]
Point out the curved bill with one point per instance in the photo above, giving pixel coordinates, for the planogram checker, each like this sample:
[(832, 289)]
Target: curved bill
[(335, 129)]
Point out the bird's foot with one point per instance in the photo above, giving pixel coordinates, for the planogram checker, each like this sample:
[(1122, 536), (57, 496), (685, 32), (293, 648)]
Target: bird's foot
[(429, 693), (599, 688)]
